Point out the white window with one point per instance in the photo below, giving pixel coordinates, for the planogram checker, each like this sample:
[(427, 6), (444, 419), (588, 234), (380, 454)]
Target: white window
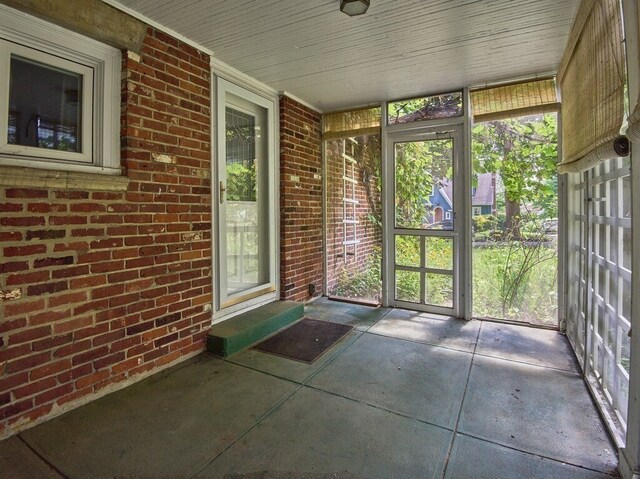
[(477, 210), (447, 215), (59, 97)]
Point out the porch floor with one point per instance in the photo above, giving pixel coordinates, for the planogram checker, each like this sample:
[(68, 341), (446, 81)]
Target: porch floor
[(403, 395)]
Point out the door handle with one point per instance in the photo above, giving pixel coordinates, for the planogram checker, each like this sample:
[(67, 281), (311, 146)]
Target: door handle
[(222, 190)]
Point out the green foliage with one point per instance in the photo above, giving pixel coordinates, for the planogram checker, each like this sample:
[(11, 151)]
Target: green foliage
[(523, 151), (501, 269), (425, 108), (418, 165), (365, 283), (483, 223), (241, 182)]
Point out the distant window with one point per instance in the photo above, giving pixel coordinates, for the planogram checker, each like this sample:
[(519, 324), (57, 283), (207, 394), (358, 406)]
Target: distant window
[(477, 210), (425, 108), (447, 215), (60, 106)]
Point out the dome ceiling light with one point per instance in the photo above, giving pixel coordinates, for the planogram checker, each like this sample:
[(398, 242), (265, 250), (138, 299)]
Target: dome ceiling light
[(354, 7)]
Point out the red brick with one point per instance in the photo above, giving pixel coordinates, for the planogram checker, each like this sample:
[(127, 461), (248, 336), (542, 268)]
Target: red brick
[(15, 408), (90, 355), (47, 288), (48, 316), (28, 362), (52, 342), (57, 261), (91, 331), (45, 234), (125, 366), (26, 278), (53, 394), (72, 325), (34, 387), (24, 250), (13, 352), (10, 207), (72, 348), (108, 360), (12, 325), (92, 379), (26, 193), (22, 221), (29, 335)]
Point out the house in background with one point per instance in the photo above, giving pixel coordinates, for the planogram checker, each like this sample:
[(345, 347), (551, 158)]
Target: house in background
[(483, 198)]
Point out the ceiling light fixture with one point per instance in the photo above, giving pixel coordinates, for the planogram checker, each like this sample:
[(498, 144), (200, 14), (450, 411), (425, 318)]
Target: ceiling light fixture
[(354, 7)]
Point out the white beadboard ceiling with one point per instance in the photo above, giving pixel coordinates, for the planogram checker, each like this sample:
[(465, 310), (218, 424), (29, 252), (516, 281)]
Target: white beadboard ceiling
[(399, 49)]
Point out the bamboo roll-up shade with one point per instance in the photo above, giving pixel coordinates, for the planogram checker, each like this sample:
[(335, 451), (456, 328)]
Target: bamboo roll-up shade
[(347, 124), (633, 132), (591, 79), (514, 99)]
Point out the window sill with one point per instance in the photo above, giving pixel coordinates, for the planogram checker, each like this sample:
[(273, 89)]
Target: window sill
[(106, 180)]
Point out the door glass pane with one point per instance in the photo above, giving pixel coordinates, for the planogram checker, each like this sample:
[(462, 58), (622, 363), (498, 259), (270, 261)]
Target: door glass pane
[(408, 286), (439, 290), (408, 250), (246, 198), (439, 253), (426, 108), (424, 184)]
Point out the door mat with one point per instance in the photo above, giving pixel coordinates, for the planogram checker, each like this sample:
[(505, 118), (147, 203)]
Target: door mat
[(305, 340)]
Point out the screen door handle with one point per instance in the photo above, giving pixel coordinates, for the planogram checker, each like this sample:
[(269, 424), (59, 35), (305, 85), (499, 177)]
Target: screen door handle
[(222, 190)]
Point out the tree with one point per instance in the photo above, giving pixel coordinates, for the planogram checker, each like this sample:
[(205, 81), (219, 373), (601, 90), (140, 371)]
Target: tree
[(523, 152), (418, 166)]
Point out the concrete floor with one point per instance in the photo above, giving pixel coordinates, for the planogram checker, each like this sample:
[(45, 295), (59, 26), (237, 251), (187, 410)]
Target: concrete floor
[(403, 395)]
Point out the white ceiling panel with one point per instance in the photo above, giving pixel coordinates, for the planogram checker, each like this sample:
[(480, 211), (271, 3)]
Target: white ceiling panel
[(398, 49)]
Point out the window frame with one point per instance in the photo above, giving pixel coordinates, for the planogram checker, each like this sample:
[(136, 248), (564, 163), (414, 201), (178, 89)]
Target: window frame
[(44, 43)]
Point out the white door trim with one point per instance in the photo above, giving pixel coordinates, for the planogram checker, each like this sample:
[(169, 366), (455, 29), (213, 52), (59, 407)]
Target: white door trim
[(427, 131), (268, 292)]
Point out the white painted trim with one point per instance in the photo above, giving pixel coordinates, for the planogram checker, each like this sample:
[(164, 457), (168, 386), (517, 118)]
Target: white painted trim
[(392, 135), (45, 60), (466, 240), (153, 23), (387, 207), (302, 102), (223, 86), (247, 82), (235, 310), (517, 79), (630, 456), (325, 213)]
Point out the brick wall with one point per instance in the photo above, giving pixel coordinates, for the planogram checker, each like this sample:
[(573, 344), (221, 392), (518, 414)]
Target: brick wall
[(301, 236), (352, 275), (100, 287)]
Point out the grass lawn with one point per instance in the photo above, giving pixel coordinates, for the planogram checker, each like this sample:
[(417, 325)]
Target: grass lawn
[(497, 268)]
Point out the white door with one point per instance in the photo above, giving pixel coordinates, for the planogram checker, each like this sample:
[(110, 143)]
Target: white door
[(246, 201), (423, 241)]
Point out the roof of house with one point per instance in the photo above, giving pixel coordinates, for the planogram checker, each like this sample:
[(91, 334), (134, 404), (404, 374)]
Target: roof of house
[(483, 194)]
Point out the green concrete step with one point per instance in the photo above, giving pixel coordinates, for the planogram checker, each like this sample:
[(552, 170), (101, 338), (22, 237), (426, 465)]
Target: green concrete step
[(236, 333)]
